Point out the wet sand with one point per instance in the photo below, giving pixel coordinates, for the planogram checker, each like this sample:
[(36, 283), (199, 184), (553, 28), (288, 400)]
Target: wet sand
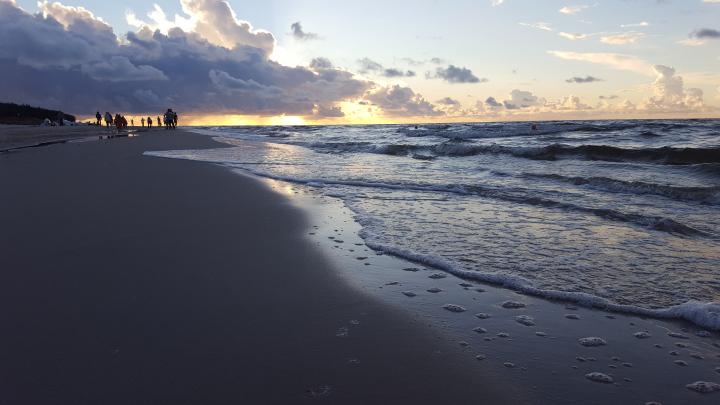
[(133, 279), (20, 136)]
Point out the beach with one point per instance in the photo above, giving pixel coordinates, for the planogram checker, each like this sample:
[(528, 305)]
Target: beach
[(129, 276), (133, 279)]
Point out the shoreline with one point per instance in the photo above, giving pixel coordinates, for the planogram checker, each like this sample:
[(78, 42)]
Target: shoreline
[(136, 279), (545, 354), (25, 136)]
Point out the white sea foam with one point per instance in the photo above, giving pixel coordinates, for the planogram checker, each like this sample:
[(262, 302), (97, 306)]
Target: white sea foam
[(592, 341), (454, 308), (704, 386), (525, 320), (599, 377)]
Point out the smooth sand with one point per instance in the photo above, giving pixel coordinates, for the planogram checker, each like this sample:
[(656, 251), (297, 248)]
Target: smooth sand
[(133, 279), (20, 136)]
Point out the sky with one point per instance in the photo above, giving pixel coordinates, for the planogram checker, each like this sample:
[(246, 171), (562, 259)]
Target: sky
[(241, 62)]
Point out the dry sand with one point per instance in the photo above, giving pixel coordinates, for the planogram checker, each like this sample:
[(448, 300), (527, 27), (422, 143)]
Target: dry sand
[(132, 279)]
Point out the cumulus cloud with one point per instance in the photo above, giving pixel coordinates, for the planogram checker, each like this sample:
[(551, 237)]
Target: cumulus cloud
[(448, 101), (397, 100), (491, 102), (120, 69), (454, 75), (622, 39), (614, 60), (669, 92), (219, 65), (300, 35), (586, 79)]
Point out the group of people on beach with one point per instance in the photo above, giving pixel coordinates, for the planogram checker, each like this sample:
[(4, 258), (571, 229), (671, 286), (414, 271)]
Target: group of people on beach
[(170, 120)]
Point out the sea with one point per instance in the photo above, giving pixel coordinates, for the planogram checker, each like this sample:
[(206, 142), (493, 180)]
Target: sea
[(622, 215)]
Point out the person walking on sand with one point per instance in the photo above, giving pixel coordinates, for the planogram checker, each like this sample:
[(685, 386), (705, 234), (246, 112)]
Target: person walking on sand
[(142, 122), (124, 121), (108, 119), (174, 120), (149, 122), (98, 117), (118, 123), (169, 118), (158, 121), (61, 118)]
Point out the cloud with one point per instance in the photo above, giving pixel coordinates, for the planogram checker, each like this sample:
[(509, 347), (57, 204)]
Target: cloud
[(216, 22), (498, 2), (491, 102), (573, 36), (328, 112), (622, 39), (642, 24), (42, 41), (300, 35), (706, 33), (700, 37), (610, 97), (367, 65), (70, 55), (147, 97), (614, 60), (540, 25), (572, 9), (120, 69), (399, 101), (448, 101), (669, 92), (455, 75), (586, 79), (321, 63)]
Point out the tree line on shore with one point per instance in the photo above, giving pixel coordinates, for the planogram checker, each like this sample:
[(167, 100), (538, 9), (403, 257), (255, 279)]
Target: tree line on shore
[(11, 113)]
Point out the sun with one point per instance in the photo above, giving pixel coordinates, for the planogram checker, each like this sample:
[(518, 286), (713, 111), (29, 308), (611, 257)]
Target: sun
[(287, 120)]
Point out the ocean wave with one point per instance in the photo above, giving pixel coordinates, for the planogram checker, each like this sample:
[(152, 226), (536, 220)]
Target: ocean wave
[(706, 195), (705, 314)]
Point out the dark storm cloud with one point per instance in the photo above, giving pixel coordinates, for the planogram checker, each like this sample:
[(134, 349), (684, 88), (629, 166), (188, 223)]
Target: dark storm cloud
[(299, 34), (586, 79), (75, 58), (120, 69), (454, 75)]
